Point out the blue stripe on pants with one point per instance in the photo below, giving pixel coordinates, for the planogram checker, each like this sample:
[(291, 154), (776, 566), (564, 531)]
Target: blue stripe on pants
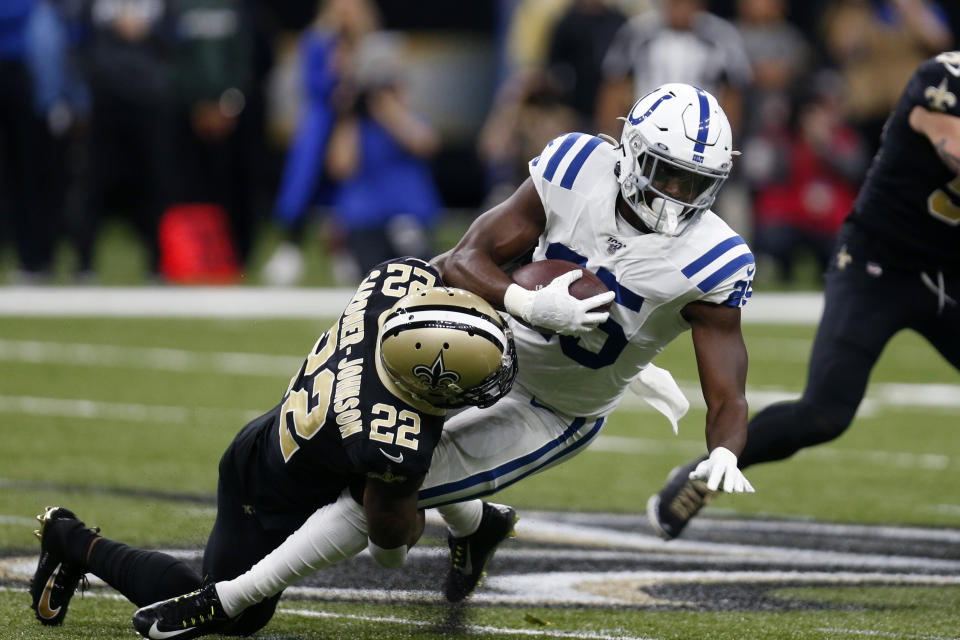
[(506, 468)]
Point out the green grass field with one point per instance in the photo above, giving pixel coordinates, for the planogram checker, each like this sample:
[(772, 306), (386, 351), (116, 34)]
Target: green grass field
[(124, 422)]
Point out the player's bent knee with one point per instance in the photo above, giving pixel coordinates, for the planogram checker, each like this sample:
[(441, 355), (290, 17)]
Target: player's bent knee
[(826, 422)]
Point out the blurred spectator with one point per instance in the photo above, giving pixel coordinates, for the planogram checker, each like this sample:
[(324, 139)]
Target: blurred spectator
[(326, 52), (877, 45), (527, 113), (385, 199), (214, 76), (805, 178), (528, 30), (22, 138), (62, 100), (577, 47), (779, 55), (128, 51), (679, 41)]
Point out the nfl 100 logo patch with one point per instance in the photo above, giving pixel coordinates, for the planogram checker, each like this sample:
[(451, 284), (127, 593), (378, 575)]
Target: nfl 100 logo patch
[(613, 245)]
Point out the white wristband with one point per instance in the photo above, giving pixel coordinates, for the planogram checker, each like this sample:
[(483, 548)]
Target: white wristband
[(518, 301), (387, 558)]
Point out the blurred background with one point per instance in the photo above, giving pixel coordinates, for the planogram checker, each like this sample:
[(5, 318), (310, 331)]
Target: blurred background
[(290, 142)]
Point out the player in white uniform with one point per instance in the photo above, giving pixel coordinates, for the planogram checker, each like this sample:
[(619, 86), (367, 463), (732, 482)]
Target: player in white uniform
[(636, 214)]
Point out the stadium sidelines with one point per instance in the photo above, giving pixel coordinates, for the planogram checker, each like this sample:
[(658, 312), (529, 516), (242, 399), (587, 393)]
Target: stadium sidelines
[(265, 302)]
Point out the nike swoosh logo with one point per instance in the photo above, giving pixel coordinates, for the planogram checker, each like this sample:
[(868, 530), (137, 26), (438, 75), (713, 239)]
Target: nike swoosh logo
[(156, 634), (397, 459), (43, 607)]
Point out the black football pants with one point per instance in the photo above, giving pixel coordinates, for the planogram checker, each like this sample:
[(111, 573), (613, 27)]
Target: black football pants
[(862, 312)]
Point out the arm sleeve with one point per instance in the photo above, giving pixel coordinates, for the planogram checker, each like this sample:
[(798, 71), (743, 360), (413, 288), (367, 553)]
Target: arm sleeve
[(735, 289)]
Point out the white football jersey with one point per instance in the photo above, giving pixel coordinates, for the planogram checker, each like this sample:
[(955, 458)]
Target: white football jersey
[(653, 275)]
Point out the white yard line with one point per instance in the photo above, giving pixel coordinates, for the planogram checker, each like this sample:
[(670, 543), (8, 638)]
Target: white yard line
[(647, 446), (179, 360), (123, 411), (173, 302), (172, 414), (470, 628), (627, 587), (544, 529), (879, 396), (265, 302)]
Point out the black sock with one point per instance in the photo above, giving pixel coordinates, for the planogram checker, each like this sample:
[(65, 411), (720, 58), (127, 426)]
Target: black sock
[(144, 577), (74, 538)]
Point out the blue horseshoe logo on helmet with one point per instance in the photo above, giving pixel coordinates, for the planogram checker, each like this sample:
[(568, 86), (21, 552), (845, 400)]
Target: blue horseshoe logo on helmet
[(637, 120)]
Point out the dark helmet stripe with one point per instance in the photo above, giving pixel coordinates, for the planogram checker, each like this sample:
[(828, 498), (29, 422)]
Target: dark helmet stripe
[(450, 308), (443, 324)]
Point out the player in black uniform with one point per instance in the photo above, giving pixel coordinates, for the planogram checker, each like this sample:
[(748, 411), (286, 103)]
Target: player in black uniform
[(362, 415), (897, 266)]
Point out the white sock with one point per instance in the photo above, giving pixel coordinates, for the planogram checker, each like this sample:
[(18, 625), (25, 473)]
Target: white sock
[(462, 518), (333, 533)]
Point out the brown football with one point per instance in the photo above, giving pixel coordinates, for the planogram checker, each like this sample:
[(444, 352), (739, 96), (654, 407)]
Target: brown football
[(539, 274)]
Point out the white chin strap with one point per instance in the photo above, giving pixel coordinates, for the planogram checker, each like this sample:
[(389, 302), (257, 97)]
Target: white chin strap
[(664, 215)]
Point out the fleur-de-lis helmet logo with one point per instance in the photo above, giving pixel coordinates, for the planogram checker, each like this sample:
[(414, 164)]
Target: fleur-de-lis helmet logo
[(436, 376)]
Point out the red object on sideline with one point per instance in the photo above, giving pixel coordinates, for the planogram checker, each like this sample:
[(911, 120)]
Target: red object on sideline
[(196, 245)]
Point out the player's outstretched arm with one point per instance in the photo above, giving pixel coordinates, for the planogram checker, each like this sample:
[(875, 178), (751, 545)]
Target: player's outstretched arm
[(394, 522), (722, 364), (499, 236), (943, 132)]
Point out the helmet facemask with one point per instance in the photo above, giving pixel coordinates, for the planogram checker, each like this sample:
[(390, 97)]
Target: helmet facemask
[(485, 394)]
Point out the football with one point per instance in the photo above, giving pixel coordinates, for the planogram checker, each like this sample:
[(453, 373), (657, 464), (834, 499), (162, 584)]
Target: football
[(539, 274)]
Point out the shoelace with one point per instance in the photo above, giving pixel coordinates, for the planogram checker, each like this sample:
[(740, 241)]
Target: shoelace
[(939, 289), (459, 559), (193, 607)]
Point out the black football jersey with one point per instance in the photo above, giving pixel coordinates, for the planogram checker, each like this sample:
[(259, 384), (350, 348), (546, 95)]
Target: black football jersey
[(908, 211), (341, 418)]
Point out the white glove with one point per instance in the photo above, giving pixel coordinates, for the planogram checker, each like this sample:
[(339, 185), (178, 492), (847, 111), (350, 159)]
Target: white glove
[(553, 308), (722, 465)]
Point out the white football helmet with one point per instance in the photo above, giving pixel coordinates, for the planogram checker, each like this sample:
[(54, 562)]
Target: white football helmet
[(677, 152)]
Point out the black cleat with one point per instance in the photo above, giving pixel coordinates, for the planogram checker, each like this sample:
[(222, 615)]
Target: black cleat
[(195, 614), (470, 555), (55, 580), (678, 501)]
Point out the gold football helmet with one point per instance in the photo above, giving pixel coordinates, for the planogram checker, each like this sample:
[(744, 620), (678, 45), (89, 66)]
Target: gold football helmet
[(449, 348)]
